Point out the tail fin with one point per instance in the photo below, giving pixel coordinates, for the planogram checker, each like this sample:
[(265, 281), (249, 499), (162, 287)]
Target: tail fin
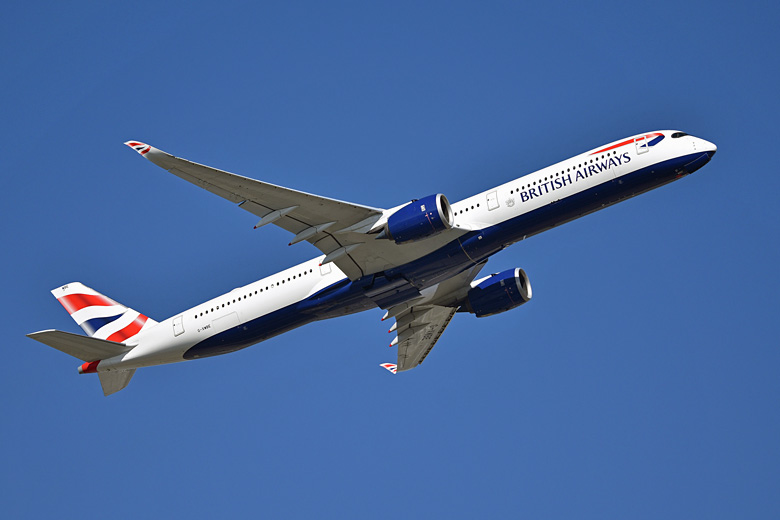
[(99, 316)]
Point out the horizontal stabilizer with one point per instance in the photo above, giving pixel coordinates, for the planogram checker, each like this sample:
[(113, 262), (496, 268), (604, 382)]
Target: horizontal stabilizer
[(81, 347), (115, 381)]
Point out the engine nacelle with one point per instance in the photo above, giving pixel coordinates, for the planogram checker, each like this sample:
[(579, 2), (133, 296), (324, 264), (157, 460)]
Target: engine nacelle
[(420, 219), (499, 293)]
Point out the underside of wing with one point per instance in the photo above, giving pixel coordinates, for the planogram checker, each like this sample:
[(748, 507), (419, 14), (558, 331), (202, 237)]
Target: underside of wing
[(326, 223), (339, 229), (418, 332), (419, 324)]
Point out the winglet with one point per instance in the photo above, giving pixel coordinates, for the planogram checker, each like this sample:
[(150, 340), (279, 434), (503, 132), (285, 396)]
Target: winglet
[(139, 147), (389, 367)]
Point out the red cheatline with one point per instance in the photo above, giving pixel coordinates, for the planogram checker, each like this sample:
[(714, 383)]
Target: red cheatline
[(628, 141)]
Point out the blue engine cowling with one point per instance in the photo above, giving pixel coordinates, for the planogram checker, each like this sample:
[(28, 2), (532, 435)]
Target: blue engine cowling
[(499, 293), (420, 219)]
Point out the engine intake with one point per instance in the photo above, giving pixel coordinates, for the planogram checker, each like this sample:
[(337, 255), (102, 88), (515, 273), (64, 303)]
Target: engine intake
[(420, 219), (501, 292)]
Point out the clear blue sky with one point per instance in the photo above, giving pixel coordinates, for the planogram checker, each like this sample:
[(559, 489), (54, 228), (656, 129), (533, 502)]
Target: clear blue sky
[(641, 381)]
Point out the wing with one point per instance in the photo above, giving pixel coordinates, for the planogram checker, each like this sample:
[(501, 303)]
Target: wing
[(338, 229), (418, 332), (310, 217), (420, 324)]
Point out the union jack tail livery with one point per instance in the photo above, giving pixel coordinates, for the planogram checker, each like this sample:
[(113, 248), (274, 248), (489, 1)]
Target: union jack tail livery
[(100, 316)]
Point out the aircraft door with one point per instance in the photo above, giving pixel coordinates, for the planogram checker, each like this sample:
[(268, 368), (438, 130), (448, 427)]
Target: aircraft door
[(178, 325), (492, 200), (641, 144)]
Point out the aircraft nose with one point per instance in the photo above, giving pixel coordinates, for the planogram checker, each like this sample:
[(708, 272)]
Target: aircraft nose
[(705, 150), (707, 146)]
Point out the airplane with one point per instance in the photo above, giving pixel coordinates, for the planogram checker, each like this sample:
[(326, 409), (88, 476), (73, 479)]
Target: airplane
[(419, 261)]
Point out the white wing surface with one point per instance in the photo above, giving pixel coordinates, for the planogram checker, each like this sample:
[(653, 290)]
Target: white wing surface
[(338, 229), (418, 331)]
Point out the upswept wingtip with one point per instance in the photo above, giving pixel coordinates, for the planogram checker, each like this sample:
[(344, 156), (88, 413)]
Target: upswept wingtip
[(141, 148), (390, 367)]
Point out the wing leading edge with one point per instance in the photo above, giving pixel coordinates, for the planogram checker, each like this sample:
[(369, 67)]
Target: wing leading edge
[(339, 229), (334, 227)]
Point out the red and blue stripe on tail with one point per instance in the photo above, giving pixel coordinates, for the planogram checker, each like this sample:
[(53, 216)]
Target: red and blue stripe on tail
[(100, 316)]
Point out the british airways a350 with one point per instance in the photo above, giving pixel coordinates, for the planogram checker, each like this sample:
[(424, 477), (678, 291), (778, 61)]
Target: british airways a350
[(420, 261)]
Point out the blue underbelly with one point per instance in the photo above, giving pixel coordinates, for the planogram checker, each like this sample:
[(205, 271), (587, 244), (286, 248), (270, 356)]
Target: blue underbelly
[(347, 297)]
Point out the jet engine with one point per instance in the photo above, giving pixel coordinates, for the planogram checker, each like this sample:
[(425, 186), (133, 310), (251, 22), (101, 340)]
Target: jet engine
[(420, 219), (498, 293)]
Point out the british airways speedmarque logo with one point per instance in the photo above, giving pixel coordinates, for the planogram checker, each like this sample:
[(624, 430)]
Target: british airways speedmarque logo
[(646, 140), (141, 148)]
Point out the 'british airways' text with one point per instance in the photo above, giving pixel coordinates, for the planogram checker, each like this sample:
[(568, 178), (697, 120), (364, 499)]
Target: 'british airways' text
[(588, 170)]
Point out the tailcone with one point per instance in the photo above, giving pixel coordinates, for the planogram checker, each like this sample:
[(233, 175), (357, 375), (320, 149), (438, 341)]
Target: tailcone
[(89, 368)]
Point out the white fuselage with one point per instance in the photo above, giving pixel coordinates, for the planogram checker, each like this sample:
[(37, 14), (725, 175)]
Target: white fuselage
[(247, 307)]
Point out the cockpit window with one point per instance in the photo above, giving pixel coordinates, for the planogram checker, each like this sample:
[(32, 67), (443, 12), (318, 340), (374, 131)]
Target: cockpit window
[(678, 134)]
